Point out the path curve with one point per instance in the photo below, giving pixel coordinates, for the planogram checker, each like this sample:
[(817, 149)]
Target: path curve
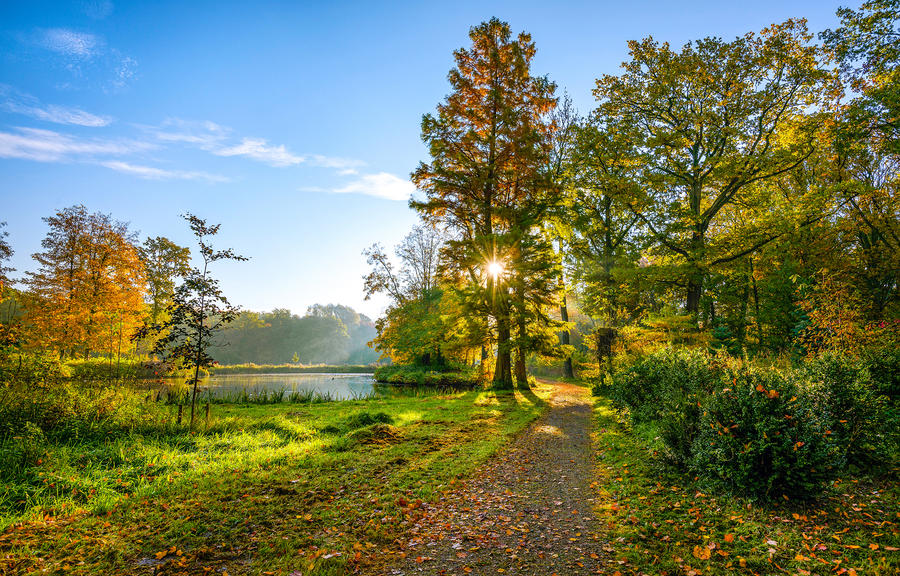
[(528, 511)]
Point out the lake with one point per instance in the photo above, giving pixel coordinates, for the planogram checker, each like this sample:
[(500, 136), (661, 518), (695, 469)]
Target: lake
[(336, 386)]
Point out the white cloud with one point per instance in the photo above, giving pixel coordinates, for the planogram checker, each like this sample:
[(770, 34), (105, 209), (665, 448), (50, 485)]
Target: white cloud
[(381, 185), (20, 103), (214, 138), (49, 146), (259, 149), (67, 115), (79, 45), (124, 71), (205, 135), (152, 173)]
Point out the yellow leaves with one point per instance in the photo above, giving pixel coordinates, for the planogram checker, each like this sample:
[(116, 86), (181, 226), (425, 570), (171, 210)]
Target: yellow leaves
[(701, 552), (173, 550)]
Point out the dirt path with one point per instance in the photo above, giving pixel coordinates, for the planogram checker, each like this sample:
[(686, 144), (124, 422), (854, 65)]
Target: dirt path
[(527, 511)]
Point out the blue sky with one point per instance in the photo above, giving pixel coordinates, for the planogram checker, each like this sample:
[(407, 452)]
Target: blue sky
[(295, 125)]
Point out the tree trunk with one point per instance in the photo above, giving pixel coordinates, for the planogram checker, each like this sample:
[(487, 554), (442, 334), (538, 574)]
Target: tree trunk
[(695, 278), (500, 308), (568, 372), (694, 291), (759, 334), (502, 369), (564, 313), (742, 320), (521, 352)]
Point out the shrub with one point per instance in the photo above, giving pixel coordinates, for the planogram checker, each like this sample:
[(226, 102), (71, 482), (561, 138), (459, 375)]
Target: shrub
[(669, 388), (762, 437), (883, 364), (851, 399)]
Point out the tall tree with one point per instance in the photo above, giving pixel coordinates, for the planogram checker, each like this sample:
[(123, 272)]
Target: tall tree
[(605, 243), (88, 292), (486, 144), (164, 262), (412, 328), (715, 122), (867, 145), (6, 253), (199, 309), (563, 127)]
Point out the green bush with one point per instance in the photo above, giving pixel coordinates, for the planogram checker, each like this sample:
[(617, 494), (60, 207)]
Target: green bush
[(883, 364), (758, 431), (669, 388), (761, 436), (852, 401)]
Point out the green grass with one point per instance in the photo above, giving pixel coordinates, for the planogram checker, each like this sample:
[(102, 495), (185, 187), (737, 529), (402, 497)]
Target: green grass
[(660, 522), (317, 488)]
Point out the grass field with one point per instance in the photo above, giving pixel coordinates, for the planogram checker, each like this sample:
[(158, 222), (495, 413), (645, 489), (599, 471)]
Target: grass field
[(661, 522), (282, 488)]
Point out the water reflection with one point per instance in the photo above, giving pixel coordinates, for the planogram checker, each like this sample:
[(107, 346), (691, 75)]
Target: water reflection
[(333, 386)]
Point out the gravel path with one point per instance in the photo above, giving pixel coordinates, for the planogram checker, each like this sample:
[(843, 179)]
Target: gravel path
[(527, 511)]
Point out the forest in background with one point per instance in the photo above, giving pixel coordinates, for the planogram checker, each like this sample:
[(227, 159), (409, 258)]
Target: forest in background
[(326, 334)]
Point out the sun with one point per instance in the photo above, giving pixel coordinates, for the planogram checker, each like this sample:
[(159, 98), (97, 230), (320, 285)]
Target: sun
[(495, 269)]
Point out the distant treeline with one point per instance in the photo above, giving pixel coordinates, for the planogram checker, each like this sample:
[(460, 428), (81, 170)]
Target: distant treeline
[(293, 369), (327, 334)]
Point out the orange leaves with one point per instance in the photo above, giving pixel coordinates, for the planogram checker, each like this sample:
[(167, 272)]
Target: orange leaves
[(90, 286), (770, 394), (729, 538), (170, 551), (701, 552)]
